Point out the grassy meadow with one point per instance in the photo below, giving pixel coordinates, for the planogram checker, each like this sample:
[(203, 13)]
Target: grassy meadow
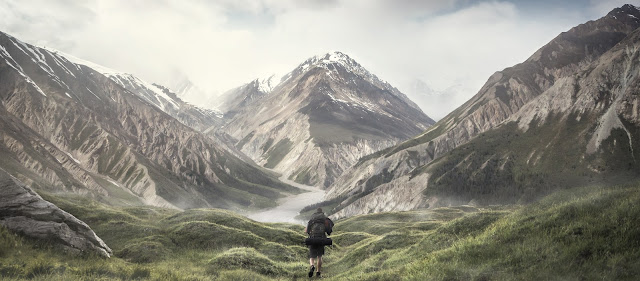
[(588, 233)]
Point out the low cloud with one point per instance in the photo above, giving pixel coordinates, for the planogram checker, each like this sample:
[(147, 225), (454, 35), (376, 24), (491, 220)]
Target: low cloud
[(222, 44)]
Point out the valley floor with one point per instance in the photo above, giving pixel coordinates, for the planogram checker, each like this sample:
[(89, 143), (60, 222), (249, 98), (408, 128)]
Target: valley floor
[(579, 234), (289, 207)]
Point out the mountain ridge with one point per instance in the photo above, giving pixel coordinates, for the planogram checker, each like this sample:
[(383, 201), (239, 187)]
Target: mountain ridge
[(66, 127), (328, 111), (387, 174)]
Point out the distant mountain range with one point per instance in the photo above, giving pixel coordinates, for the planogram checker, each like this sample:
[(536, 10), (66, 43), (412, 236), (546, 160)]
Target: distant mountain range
[(68, 125), (189, 92), (319, 119), (566, 116)]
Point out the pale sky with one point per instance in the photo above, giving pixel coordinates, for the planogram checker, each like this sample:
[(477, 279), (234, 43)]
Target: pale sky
[(223, 44)]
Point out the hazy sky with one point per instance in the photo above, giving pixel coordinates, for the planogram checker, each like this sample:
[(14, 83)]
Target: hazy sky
[(226, 43)]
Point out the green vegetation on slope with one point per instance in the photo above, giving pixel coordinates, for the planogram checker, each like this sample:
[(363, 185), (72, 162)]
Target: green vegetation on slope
[(511, 165), (577, 234), (278, 152)]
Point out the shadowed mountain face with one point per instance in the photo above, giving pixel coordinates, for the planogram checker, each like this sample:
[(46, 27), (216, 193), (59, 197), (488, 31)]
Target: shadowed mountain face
[(566, 116), (320, 118), (75, 127)]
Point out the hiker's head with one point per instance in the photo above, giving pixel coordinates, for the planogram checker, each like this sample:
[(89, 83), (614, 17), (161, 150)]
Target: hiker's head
[(319, 210)]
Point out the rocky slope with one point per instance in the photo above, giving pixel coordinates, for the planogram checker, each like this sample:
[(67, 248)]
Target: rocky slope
[(65, 126), (161, 97), (24, 211), (234, 100), (585, 76), (320, 119)]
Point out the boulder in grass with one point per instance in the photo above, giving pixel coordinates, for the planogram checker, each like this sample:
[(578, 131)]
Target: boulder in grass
[(23, 211)]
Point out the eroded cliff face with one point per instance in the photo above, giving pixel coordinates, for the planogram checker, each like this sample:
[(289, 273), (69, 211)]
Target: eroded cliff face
[(546, 84), (68, 127), (321, 118), (23, 211)]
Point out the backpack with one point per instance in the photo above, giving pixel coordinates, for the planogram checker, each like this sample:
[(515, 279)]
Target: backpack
[(318, 225)]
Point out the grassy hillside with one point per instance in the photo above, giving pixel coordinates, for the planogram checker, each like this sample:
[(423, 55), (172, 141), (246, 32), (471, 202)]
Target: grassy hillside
[(578, 234), (510, 165)]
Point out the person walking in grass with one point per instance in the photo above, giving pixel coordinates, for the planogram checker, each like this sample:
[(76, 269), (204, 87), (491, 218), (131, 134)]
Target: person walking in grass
[(319, 226)]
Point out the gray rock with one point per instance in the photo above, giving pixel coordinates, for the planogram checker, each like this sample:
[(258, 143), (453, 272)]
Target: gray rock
[(23, 211)]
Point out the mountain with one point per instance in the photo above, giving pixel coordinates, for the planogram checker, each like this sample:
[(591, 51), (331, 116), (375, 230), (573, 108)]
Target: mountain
[(76, 127), (157, 95), (568, 115), (320, 119), (189, 92), (234, 100)]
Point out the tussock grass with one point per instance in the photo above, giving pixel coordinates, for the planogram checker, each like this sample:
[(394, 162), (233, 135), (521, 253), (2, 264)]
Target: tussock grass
[(144, 252), (349, 238), (278, 234), (206, 235), (245, 258), (578, 234)]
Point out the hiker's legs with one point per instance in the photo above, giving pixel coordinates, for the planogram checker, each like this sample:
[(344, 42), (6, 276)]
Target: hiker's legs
[(319, 264), (311, 261)]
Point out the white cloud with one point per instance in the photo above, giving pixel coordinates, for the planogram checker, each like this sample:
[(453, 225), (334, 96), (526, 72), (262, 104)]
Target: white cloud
[(222, 44)]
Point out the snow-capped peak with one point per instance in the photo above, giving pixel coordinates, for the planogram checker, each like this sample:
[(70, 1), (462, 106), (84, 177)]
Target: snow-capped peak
[(266, 85), (333, 57), (336, 58)]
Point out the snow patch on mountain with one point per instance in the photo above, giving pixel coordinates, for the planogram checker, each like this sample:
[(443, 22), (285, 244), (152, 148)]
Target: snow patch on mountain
[(335, 58), (151, 93), (19, 69), (266, 85), (78, 61), (154, 94)]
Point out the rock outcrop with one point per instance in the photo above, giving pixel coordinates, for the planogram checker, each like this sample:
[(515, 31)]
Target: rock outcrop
[(23, 211)]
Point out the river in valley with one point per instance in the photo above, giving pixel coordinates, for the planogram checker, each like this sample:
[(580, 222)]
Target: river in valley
[(289, 207)]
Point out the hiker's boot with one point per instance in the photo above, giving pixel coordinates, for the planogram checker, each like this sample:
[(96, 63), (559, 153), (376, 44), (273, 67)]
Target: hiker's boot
[(318, 274), (311, 270)]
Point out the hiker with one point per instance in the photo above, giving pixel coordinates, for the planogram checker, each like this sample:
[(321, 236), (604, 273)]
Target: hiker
[(319, 226)]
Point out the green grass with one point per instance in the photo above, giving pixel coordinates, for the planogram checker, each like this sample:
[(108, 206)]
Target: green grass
[(278, 152), (587, 233), (513, 166), (302, 175)]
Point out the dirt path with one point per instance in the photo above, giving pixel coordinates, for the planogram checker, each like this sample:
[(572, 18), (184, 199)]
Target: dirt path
[(289, 206)]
